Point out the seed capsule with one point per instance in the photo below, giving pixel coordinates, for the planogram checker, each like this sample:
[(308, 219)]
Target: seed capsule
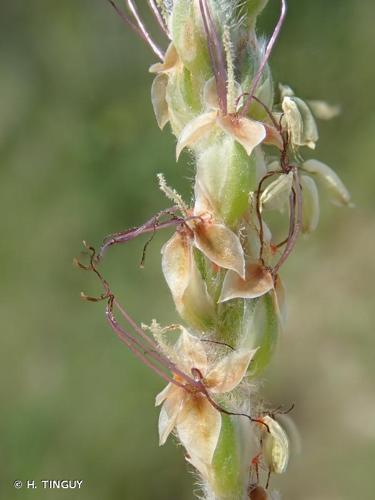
[(275, 446), (257, 493), (330, 180), (299, 122)]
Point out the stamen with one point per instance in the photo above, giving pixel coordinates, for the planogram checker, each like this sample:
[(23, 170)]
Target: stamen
[(267, 54)]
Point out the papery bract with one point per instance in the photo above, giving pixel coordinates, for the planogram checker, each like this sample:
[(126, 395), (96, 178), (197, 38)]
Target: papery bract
[(196, 420), (158, 99), (220, 245), (257, 282), (188, 289)]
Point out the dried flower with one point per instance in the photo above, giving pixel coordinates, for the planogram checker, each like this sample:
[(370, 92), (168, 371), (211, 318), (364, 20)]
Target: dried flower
[(197, 422)]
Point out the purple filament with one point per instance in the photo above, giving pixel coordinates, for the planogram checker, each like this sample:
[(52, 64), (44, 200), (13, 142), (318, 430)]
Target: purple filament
[(137, 28), (159, 17), (216, 55)]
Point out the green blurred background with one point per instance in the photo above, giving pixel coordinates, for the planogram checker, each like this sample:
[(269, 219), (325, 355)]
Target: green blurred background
[(79, 152)]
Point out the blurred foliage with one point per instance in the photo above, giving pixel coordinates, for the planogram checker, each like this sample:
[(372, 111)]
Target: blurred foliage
[(79, 152)]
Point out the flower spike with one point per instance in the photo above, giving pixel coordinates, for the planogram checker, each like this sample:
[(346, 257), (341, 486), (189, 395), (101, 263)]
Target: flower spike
[(222, 264)]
